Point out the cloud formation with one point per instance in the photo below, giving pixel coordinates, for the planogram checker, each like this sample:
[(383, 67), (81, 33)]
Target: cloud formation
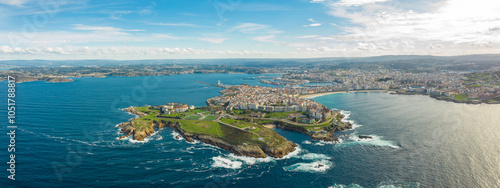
[(357, 2), (124, 52), (313, 24), (450, 27)]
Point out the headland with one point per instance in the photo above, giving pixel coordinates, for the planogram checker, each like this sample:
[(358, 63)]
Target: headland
[(237, 121)]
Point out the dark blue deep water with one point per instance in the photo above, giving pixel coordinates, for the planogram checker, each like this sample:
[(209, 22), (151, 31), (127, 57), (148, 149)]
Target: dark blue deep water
[(66, 137)]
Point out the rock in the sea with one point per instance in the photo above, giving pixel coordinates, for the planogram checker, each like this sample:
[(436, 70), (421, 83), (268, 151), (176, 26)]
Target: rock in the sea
[(364, 137), (279, 152)]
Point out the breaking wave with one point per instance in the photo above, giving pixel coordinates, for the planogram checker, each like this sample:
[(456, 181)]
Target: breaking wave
[(347, 115), (225, 163), (353, 139), (384, 184)]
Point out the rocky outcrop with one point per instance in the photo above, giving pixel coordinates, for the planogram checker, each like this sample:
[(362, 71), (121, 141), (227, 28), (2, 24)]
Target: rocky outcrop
[(240, 150), (281, 151), (328, 137), (134, 111), (128, 129), (364, 137), (284, 126)]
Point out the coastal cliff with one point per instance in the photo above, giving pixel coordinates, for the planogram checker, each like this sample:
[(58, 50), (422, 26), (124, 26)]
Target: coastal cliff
[(248, 147), (326, 134), (129, 129)]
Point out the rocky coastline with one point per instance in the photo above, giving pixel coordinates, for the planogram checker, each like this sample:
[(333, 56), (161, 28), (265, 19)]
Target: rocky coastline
[(328, 135), (257, 151)]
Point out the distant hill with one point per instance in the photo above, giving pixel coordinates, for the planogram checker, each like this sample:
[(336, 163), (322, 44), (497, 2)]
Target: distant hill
[(487, 58)]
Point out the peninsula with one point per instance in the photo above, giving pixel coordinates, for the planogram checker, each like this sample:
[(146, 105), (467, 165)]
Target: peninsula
[(240, 121)]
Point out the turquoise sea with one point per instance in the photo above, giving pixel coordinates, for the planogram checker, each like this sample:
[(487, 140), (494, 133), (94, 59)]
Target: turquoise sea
[(66, 137)]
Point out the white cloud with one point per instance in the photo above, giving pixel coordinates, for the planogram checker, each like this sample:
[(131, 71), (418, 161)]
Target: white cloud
[(14, 2), (82, 37), (214, 40), (461, 25), (357, 2), (122, 53), (313, 24), (249, 27), (106, 30), (252, 28)]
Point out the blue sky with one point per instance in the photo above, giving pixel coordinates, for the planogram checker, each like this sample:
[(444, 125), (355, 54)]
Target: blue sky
[(55, 29)]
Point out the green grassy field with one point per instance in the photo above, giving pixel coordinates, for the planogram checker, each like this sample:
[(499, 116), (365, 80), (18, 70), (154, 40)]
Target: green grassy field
[(461, 97), (192, 117), (204, 127), (191, 124), (237, 123), (210, 117), (279, 114)]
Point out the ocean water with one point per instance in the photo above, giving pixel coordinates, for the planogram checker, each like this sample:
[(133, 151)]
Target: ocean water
[(66, 137)]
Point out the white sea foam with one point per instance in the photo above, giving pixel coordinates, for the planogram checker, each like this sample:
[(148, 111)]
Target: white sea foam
[(153, 136), (306, 142), (251, 160), (353, 138), (347, 115), (194, 141), (222, 162), (385, 184), (346, 186), (297, 151), (176, 135), (116, 126), (315, 156), (123, 109), (316, 166)]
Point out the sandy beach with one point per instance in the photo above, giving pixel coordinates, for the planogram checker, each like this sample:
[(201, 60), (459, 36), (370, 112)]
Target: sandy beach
[(335, 92)]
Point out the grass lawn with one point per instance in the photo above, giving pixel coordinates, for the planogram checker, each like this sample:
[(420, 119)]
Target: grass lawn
[(204, 127), (210, 117), (279, 114), (228, 121), (237, 123), (191, 123), (192, 117), (461, 97)]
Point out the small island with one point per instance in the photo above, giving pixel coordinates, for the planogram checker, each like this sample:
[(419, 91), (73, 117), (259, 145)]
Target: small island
[(241, 121)]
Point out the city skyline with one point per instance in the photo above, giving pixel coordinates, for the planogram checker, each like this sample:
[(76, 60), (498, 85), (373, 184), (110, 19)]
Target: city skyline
[(246, 29)]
